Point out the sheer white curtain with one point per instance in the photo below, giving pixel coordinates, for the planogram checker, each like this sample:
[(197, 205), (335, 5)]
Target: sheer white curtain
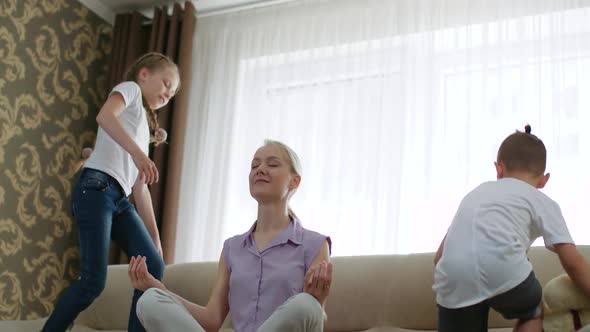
[(396, 109)]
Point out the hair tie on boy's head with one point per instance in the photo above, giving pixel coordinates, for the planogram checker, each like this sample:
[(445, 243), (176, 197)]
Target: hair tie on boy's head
[(527, 129)]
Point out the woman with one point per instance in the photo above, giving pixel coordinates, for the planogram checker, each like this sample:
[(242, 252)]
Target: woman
[(275, 277)]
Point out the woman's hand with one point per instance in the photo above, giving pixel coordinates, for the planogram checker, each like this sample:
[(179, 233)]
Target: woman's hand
[(148, 172), (318, 280), (140, 278)]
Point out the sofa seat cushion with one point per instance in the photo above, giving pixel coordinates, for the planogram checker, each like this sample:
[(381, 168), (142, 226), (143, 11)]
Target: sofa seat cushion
[(397, 329), (36, 325), (21, 325)]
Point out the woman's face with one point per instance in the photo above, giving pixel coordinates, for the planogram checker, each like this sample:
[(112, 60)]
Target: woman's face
[(271, 178)]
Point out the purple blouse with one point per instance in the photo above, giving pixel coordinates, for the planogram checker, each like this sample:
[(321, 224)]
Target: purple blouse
[(261, 281)]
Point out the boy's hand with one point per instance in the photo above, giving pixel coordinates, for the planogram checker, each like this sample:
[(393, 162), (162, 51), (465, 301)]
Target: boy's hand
[(439, 252), (575, 265)]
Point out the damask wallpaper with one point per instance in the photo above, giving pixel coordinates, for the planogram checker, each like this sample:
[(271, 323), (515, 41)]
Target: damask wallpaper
[(54, 56)]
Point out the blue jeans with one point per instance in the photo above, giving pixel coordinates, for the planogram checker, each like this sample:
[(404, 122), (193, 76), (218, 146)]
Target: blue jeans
[(102, 212)]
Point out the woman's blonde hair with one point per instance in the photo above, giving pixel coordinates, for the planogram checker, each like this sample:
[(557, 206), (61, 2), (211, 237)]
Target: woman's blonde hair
[(152, 61), (294, 164)]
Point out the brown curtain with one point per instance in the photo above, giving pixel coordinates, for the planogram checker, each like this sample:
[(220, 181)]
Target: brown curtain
[(172, 35)]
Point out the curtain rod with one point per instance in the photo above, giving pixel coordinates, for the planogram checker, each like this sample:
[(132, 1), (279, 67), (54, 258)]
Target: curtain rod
[(238, 8), (149, 11)]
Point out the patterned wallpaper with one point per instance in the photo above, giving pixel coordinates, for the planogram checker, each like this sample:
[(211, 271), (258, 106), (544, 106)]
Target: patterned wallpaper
[(54, 57)]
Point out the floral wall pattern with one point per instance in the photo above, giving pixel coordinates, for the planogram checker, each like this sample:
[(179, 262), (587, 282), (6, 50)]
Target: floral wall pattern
[(54, 57)]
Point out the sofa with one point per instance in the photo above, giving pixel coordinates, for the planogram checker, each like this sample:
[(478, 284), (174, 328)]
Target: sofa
[(382, 293)]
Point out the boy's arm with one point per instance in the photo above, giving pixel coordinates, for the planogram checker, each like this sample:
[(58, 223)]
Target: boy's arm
[(439, 252), (575, 265)]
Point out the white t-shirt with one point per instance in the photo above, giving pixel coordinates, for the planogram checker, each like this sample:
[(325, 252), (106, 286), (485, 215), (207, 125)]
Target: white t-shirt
[(485, 251), (108, 156)]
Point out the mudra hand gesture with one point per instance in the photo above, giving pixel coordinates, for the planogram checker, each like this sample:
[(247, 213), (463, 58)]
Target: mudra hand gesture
[(318, 280), (140, 277)]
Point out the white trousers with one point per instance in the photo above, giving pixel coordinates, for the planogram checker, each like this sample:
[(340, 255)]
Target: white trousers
[(160, 311)]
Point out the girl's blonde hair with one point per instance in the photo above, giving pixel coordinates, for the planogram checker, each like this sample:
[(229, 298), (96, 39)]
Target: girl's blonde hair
[(294, 164), (151, 61)]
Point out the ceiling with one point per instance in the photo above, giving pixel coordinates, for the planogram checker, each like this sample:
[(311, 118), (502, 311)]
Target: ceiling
[(108, 8), (201, 5)]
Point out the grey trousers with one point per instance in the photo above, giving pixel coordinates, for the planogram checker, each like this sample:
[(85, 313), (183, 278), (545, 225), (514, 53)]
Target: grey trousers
[(160, 311)]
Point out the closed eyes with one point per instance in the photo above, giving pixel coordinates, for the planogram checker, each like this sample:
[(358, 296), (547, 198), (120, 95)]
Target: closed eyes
[(271, 162)]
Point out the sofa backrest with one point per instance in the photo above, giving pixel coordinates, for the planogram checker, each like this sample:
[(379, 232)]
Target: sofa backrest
[(388, 290), (396, 290), (110, 311), (367, 291)]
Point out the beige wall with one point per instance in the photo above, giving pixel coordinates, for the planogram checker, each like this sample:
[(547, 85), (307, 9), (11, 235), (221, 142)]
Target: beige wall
[(53, 75)]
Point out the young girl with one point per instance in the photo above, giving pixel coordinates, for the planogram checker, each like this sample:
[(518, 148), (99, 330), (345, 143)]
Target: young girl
[(119, 166), (275, 277)]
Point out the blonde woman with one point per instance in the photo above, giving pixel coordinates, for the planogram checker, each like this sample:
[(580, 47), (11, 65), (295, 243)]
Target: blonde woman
[(274, 277)]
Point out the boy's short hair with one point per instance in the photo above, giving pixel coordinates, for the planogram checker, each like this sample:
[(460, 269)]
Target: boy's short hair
[(523, 151)]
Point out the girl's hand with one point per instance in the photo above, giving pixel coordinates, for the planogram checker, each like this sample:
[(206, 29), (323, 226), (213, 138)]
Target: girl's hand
[(148, 172), (158, 245), (140, 278), (160, 136), (318, 280)]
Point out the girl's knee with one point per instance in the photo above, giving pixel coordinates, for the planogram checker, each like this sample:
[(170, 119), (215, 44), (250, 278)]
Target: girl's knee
[(92, 287), (156, 267)]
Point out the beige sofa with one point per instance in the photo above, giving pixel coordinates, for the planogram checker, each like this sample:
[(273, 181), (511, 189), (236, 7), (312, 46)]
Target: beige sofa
[(389, 293)]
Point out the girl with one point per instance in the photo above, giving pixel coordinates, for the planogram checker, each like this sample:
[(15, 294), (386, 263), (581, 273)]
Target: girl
[(275, 277), (119, 166)]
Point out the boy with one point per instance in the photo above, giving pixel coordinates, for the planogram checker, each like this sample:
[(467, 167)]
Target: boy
[(482, 261)]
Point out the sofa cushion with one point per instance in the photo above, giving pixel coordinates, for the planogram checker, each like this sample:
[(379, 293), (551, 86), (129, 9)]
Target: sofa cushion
[(21, 326), (110, 311), (37, 324), (397, 329), (385, 329), (193, 281)]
